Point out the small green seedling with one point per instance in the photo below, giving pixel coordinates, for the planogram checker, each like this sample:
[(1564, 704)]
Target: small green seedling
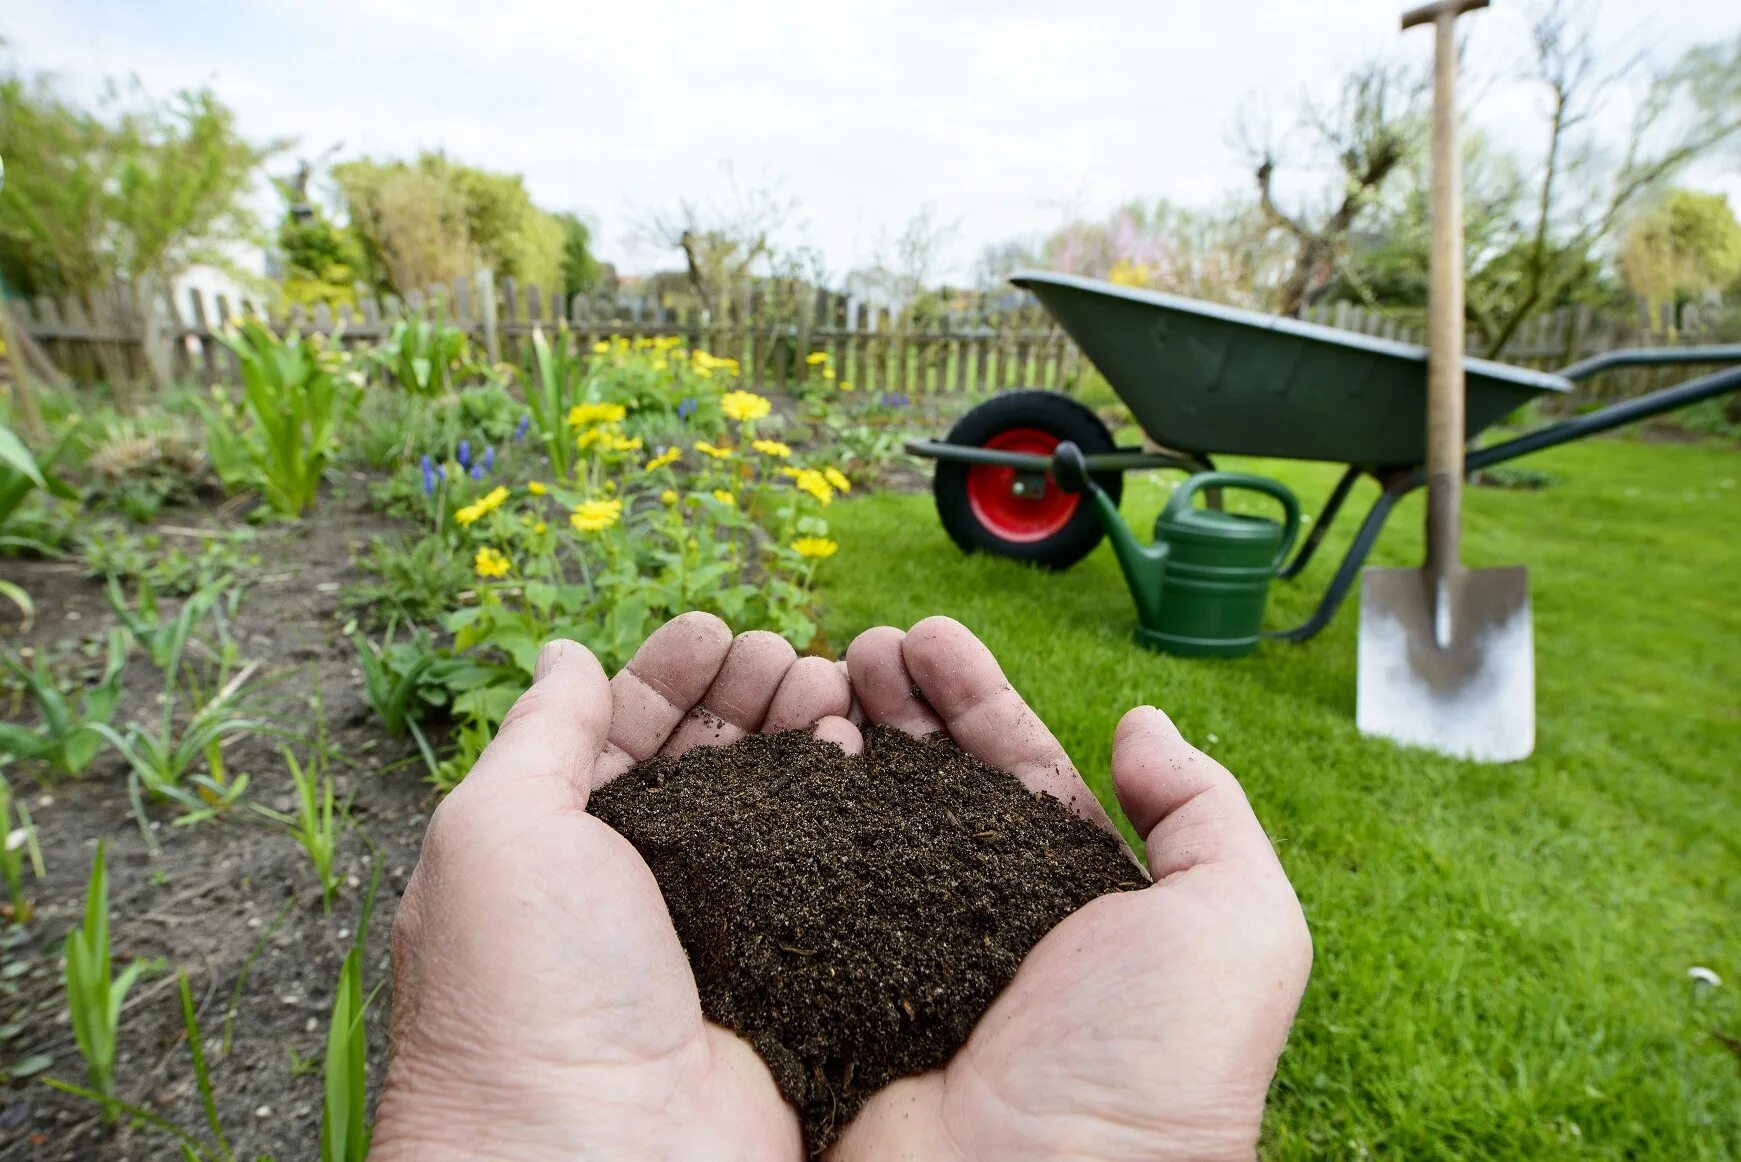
[(17, 846), (94, 995), (315, 826), (344, 1115), (68, 737)]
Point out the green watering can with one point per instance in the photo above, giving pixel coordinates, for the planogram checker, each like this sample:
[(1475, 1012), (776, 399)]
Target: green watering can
[(1200, 588)]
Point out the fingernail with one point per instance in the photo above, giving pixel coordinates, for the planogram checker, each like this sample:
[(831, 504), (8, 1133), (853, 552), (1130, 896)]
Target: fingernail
[(548, 658)]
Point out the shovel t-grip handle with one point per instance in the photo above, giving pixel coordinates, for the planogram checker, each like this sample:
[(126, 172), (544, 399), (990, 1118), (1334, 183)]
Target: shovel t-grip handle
[(1429, 13)]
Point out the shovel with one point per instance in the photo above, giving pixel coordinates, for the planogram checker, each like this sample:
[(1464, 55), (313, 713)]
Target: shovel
[(1447, 654)]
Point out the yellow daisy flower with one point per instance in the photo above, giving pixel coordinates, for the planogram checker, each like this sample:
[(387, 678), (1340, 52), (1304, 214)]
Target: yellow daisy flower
[(481, 508), (664, 459), (837, 478), (713, 450), (601, 348), (540, 528), (815, 547), (724, 497), (813, 482), (491, 563), (816, 357), (595, 516), (744, 405), (668, 498), (582, 414), (828, 373), (624, 443), (771, 448), (536, 488)]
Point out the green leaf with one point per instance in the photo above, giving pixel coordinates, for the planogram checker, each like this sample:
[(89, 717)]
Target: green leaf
[(14, 453), (29, 1066)]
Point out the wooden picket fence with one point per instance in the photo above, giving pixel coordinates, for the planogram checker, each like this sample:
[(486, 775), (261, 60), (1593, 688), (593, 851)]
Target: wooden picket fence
[(975, 343)]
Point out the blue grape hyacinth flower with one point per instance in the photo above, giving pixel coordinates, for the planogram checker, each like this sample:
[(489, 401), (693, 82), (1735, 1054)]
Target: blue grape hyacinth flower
[(464, 455), (686, 408), (431, 476), (520, 431)]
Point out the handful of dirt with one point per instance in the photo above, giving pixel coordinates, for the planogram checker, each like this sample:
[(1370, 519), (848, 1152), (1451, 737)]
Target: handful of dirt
[(852, 917)]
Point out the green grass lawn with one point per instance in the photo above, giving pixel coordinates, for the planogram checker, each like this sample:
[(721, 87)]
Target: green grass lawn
[(1502, 951)]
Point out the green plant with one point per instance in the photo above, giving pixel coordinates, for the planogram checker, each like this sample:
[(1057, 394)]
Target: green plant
[(298, 394), (94, 994), (424, 356), (552, 389), (344, 1113), (418, 578), (17, 844), (71, 730), (315, 825), (20, 475), (139, 463), (158, 559)]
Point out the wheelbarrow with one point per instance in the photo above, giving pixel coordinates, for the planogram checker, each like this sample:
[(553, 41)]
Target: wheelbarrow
[(1203, 380)]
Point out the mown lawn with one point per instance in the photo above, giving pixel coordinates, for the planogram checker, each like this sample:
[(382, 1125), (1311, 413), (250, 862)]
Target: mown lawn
[(1502, 952)]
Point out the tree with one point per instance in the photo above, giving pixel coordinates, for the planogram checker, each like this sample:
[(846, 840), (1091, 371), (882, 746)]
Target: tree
[(131, 195), (1685, 245), (1584, 192), (1376, 124), (437, 220), (725, 242), (580, 270)]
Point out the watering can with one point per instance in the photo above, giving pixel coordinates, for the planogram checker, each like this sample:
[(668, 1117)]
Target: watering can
[(1200, 588)]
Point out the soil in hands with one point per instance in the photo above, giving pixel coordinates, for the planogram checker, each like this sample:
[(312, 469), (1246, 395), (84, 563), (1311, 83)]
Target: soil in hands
[(852, 917)]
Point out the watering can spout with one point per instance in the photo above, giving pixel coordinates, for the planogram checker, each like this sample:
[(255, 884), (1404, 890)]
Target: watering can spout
[(1144, 565)]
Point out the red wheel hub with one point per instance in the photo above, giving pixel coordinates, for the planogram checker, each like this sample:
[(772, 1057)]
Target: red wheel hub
[(991, 492)]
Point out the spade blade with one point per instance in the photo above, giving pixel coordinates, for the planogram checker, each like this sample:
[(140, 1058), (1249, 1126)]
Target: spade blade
[(1453, 673)]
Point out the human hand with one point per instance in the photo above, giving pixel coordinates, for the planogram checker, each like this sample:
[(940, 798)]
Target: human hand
[(1148, 1023), (543, 1006)]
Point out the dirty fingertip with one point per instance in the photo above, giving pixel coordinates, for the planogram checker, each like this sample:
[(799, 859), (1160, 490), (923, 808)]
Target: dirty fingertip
[(840, 732)]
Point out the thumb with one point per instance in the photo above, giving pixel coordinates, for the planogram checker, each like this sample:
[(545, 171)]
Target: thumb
[(542, 756), (1186, 806)]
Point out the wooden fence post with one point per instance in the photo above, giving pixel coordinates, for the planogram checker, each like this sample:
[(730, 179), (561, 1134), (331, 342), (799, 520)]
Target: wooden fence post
[(486, 284)]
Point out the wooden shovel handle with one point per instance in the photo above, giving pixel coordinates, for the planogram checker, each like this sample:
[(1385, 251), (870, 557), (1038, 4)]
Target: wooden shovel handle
[(1429, 13)]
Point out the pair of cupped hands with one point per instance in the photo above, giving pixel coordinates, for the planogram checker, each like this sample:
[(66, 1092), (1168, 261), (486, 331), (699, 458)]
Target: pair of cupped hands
[(543, 1007)]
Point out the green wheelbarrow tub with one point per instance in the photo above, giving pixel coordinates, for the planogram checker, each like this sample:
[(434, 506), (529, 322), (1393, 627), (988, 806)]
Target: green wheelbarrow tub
[(1209, 379)]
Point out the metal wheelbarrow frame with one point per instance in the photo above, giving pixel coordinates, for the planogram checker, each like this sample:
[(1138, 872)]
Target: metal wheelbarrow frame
[(1205, 380)]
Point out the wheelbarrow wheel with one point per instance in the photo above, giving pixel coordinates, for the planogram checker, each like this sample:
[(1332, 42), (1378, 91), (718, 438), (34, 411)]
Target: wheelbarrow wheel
[(985, 508)]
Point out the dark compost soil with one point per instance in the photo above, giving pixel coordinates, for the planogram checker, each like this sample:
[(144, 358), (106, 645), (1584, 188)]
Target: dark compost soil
[(853, 917)]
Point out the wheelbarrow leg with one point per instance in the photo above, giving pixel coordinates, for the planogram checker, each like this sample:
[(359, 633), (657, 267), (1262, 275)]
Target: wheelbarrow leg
[(1303, 557), (1349, 571)]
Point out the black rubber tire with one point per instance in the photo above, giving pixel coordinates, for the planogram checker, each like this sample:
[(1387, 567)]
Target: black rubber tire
[(1049, 412)]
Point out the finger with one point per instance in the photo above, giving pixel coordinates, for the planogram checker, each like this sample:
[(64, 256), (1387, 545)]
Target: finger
[(840, 732), (737, 701), (661, 684), (985, 716), (884, 689), (813, 689), (1186, 805), (543, 754)]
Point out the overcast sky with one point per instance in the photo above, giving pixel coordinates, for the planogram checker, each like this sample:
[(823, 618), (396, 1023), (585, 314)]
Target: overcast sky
[(1004, 114)]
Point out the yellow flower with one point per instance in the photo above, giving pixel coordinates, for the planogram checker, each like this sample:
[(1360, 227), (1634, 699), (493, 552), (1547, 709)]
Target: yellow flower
[(837, 478), (815, 547), (713, 450), (582, 414), (601, 348), (659, 365), (667, 457), (481, 508), (491, 563), (792, 472), (811, 481), (724, 497), (624, 443), (704, 372), (590, 437), (828, 373), (668, 498), (771, 448), (540, 528), (596, 515), (816, 357), (845, 385), (744, 405), (536, 488)]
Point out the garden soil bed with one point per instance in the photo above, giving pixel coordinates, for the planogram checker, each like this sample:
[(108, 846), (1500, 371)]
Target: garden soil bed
[(853, 917), (222, 892)]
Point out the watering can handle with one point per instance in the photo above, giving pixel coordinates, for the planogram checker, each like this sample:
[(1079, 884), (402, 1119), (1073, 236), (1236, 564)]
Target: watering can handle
[(1272, 488)]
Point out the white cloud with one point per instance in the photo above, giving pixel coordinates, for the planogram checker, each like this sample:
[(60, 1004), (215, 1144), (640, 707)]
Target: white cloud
[(996, 111)]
